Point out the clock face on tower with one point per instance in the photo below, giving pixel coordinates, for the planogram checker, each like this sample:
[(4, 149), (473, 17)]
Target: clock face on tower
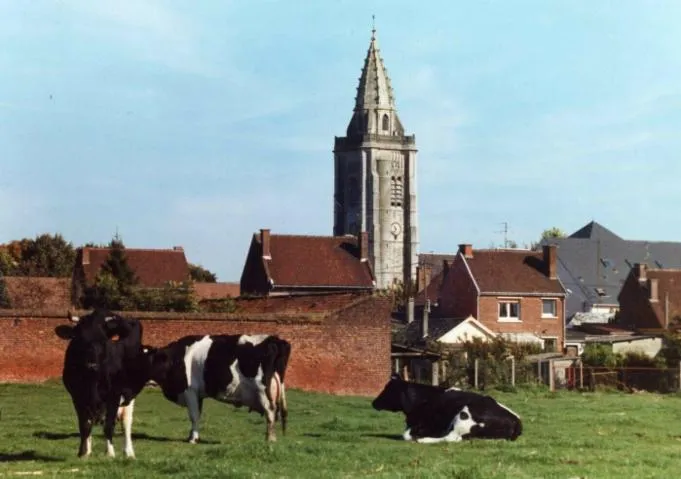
[(395, 229)]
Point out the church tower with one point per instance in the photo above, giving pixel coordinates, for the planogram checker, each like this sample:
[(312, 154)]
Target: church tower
[(375, 177)]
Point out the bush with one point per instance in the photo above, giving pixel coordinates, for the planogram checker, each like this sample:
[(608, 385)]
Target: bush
[(5, 301)]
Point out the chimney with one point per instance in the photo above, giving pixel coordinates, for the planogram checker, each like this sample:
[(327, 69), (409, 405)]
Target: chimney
[(424, 325), (640, 271), (466, 250), (550, 260), (652, 290), (363, 243), (423, 275), (410, 310), (265, 242), (86, 255)]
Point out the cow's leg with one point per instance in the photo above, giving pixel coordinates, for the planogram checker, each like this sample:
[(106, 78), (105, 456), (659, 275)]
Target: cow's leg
[(127, 429), (270, 406), (85, 430), (194, 406), (109, 425)]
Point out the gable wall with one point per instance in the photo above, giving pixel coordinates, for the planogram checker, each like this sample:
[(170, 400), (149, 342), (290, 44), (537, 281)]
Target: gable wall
[(458, 296)]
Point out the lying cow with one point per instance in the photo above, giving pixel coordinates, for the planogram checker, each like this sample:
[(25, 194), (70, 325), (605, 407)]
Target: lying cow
[(239, 369), (101, 374), (435, 414)]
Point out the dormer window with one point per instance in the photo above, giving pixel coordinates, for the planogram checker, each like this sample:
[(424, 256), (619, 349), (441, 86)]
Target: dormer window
[(386, 122)]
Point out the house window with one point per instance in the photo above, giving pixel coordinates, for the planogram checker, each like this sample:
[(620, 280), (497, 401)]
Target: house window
[(550, 345), (396, 191), (509, 310), (549, 308)]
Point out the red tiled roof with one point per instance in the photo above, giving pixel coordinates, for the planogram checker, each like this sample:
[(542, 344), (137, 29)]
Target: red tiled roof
[(317, 261), (153, 267), (39, 293), (512, 271), (217, 290), (313, 303)]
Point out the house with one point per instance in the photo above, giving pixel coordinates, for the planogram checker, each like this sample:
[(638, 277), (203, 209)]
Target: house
[(210, 291), (593, 263), (513, 293), (620, 340), (294, 264), (154, 268), (650, 299)]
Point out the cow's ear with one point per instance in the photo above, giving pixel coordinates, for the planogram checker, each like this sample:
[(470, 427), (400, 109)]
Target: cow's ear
[(64, 331)]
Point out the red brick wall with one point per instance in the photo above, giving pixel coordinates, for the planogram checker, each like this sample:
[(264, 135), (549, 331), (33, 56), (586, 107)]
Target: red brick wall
[(531, 320), (346, 352)]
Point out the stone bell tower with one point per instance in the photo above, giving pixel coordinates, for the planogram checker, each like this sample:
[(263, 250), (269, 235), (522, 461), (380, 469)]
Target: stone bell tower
[(375, 177)]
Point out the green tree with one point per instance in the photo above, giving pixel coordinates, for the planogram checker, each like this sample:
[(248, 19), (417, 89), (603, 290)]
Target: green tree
[(4, 295), (200, 274), (115, 283), (46, 255), (553, 232)]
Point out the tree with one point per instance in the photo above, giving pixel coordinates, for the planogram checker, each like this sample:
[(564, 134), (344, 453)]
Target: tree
[(553, 232), (46, 255), (5, 301), (115, 282), (200, 274)]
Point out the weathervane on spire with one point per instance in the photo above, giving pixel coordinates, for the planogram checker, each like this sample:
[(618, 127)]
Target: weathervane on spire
[(373, 27)]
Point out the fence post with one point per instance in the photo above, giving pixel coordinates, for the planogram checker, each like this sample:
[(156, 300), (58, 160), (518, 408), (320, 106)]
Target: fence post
[(552, 385), (513, 371), (475, 379), (581, 374), (540, 378)]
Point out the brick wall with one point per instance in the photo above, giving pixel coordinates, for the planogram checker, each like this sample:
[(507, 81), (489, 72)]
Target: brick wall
[(343, 352)]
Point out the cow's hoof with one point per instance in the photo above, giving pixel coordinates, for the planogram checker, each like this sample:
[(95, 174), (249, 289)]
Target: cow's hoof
[(193, 440)]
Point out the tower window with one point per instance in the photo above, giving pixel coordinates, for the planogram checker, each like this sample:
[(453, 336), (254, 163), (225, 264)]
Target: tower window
[(396, 191), (386, 122)]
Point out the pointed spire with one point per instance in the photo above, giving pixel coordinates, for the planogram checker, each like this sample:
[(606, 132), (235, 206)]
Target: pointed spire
[(374, 90)]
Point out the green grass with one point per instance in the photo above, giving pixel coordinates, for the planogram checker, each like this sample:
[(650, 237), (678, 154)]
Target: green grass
[(565, 435)]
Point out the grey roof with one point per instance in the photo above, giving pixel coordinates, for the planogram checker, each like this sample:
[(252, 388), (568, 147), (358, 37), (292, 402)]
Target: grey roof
[(594, 262), (435, 261), (437, 327)]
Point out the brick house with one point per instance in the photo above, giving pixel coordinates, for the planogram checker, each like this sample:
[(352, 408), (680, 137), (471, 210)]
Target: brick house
[(515, 293), (650, 299), (293, 264), (154, 267)]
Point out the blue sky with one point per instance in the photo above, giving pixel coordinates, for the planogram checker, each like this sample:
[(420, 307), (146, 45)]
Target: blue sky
[(198, 123)]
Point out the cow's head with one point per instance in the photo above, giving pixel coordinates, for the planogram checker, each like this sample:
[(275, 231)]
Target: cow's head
[(90, 334), (392, 396)]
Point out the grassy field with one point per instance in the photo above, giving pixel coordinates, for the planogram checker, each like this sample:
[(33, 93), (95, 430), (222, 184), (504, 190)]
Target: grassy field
[(566, 435)]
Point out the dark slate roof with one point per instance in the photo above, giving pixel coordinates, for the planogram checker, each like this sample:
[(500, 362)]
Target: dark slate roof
[(512, 271), (593, 263), (317, 261), (431, 291)]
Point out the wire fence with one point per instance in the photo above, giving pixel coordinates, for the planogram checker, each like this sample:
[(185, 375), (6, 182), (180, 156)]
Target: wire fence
[(560, 373)]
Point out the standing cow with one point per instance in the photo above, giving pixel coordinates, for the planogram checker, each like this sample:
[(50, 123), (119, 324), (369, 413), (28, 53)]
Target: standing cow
[(435, 414), (101, 374), (241, 370)]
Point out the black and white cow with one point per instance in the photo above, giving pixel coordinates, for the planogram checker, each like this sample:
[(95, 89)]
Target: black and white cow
[(102, 374), (434, 414), (241, 370)]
